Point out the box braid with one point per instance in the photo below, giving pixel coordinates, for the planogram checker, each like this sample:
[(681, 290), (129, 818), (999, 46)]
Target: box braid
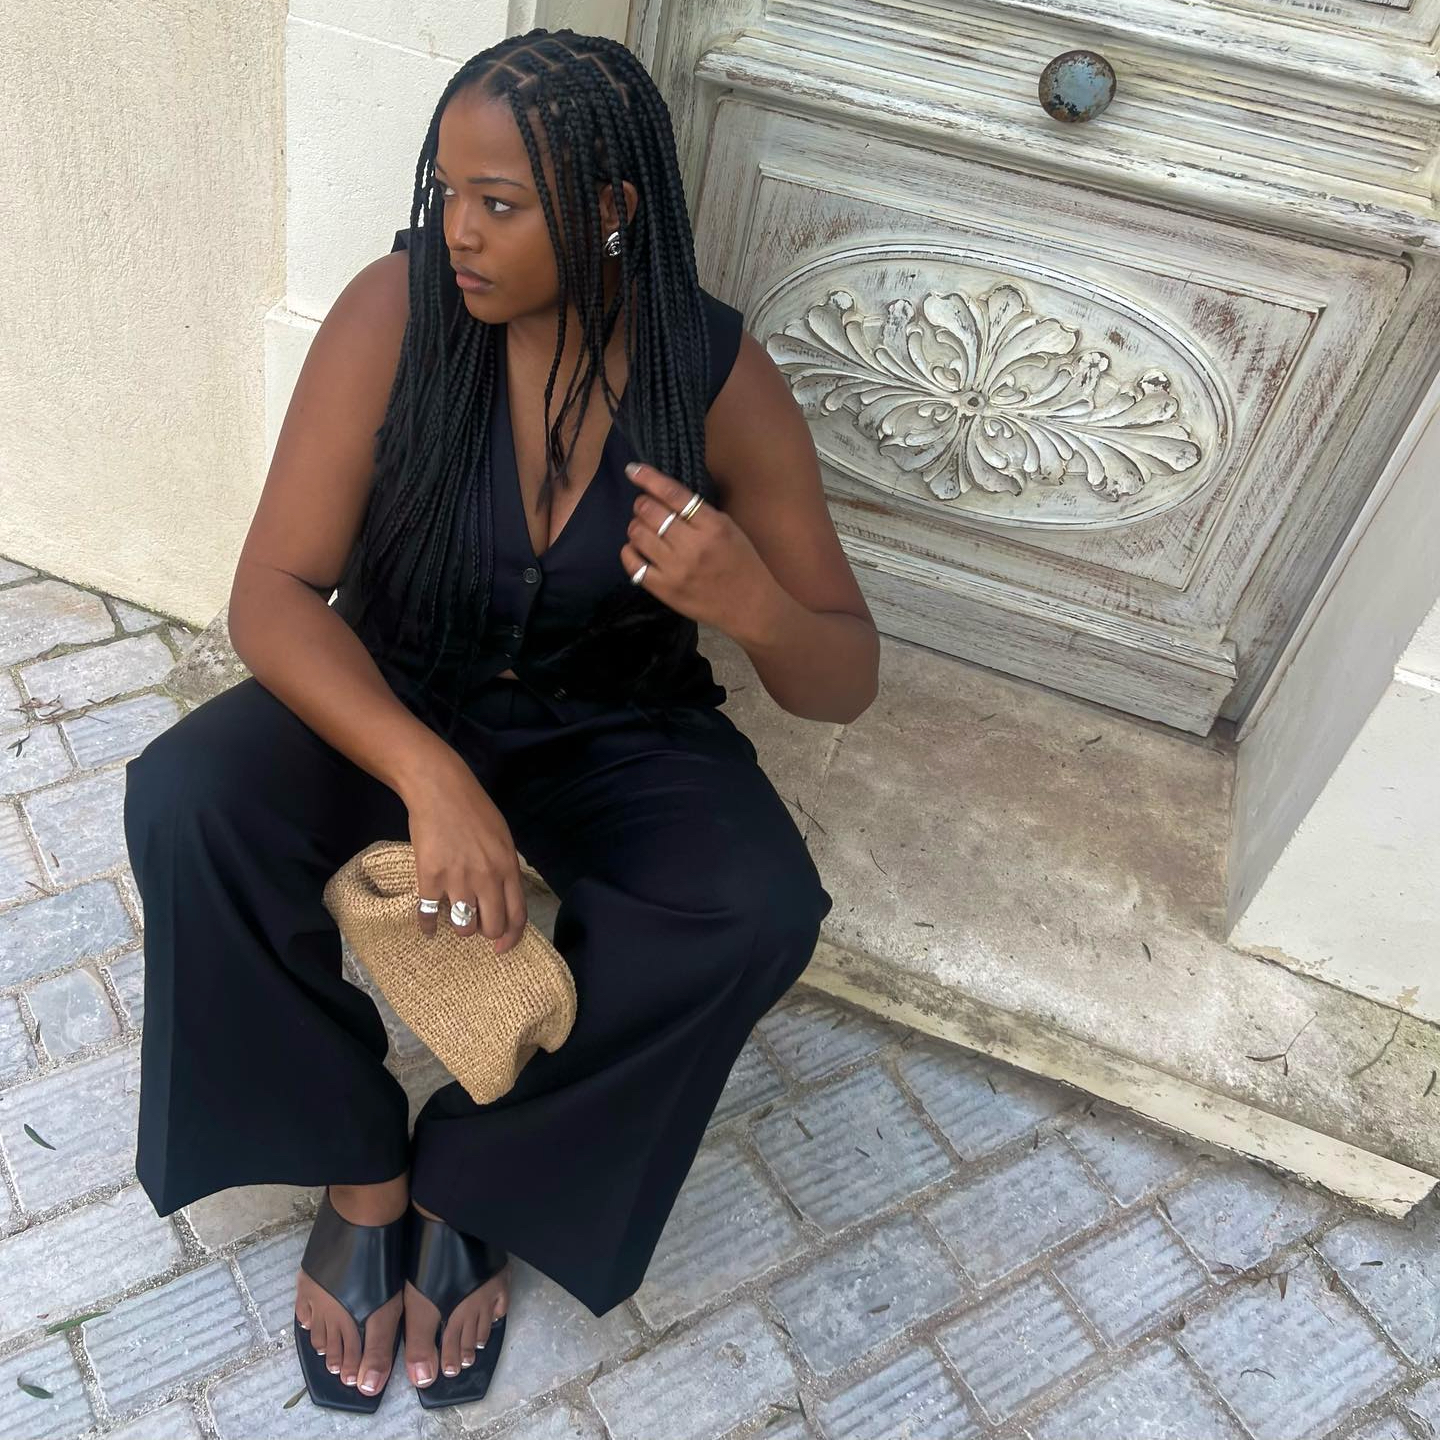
[(426, 539)]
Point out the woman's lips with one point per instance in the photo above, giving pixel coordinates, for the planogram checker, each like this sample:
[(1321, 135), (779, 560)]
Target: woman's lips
[(466, 281)]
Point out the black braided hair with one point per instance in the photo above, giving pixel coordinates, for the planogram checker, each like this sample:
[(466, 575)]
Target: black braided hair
[(426, 540)]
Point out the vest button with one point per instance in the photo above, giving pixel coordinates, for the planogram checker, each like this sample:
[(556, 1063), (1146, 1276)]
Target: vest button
[(529, 574), (561, 693)]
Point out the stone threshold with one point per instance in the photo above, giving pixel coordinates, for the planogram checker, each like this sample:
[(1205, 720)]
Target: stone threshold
[(1042, 880), (1037, 1045)]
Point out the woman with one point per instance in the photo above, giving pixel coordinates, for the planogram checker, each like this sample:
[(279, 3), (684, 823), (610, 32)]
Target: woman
[(510, 664)]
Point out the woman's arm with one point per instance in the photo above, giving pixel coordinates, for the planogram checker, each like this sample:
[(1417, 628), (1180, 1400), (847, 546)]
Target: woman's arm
[(303, 530), (809, 633)]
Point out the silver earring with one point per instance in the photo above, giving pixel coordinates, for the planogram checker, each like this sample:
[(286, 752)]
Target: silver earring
[(612, 243)]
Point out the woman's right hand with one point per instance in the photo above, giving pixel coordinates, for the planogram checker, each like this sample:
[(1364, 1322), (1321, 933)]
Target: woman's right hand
[(464, 851)]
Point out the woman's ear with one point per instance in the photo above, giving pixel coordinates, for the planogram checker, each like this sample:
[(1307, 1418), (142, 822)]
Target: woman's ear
[(609, 211)]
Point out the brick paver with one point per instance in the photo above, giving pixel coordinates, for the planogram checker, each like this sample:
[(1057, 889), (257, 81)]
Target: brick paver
[(864, 1291), (1285, 1362), (718, 1374), (98, 672), (71, 1011), (883, 1238)]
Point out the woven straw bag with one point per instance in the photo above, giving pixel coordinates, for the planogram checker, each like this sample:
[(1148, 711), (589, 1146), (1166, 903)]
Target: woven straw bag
[(484, 1015)]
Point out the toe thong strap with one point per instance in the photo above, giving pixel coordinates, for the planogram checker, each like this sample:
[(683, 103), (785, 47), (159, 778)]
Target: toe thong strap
[(445, 1265), (362, 1266)]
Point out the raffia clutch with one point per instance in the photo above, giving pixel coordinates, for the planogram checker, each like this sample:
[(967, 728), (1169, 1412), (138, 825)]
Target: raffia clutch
[(484, 1015)]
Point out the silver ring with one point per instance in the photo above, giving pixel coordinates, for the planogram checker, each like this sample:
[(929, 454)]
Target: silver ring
[(639, 575), (429, 907), (461, 914), (691, 506), (667, 522)]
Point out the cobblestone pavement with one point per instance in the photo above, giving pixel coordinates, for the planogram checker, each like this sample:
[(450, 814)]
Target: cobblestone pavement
[(882, 1237)]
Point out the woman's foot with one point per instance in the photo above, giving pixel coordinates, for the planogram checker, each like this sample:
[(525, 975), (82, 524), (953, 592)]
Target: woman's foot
[(331, 1330), (468, 1330)]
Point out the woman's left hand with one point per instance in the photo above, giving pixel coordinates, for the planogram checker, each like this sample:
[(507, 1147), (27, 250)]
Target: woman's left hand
[(704, 567)]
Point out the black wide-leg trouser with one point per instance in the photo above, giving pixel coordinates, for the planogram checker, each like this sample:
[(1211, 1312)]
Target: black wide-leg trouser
[(688, 905)]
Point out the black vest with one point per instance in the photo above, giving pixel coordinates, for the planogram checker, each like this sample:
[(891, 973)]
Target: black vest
[(569, 623)]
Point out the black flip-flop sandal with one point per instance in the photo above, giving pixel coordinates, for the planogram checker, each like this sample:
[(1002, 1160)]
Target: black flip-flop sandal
[(363, 1267), (445, 1265)]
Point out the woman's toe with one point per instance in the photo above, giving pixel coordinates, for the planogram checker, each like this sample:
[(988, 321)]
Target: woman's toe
[(420, 1362), (450, 1351), (379, 1347), (421, 1370)]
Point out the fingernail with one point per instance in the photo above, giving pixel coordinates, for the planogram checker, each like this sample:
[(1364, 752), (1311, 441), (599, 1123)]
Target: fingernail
[(333, 1369), (464, 1363), (371, 1382), (349, 1379), (422, 1373), (631, 468), (451, 1370)]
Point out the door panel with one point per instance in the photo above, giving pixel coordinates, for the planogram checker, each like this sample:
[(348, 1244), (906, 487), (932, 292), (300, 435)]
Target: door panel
[(1059, 428)]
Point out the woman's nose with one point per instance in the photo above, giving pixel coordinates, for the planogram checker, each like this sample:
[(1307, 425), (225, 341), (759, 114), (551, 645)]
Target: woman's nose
[(461, 234)]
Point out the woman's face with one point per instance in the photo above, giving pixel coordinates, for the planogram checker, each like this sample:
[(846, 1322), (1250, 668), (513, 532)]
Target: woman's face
[(494, 224)]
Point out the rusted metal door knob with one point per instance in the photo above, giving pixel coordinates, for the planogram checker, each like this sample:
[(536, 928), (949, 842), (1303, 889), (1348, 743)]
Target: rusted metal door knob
[(1076, 86)]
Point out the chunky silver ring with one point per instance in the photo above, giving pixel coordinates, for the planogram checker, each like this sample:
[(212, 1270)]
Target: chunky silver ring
[(667, 522), (429, 907), (639, 575), (691, 506), (461, 913)]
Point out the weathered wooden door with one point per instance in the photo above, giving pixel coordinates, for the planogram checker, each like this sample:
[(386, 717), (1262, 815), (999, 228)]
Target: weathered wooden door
[(1094, 401)]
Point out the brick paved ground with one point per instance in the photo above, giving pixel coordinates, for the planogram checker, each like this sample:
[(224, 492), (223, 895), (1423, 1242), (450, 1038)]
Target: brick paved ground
[(883, 1236)]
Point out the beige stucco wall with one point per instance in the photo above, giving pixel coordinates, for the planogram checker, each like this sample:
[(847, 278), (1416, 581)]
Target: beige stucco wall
[(141, 245)]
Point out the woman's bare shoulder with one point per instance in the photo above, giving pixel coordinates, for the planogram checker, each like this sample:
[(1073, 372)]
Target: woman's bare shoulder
[(323, 464), (375, 304)]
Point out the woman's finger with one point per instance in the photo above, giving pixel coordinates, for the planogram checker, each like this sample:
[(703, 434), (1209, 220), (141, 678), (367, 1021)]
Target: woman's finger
[(649, 542), (492, 918), (632, 560), (516, 911), (429, 888), (460, 889)]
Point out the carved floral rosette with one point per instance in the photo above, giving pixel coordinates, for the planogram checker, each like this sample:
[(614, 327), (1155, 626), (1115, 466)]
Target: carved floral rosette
[(993, 395)]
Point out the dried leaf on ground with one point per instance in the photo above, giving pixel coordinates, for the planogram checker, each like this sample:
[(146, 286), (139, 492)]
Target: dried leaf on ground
[(61, 1326), (1378, 1055)]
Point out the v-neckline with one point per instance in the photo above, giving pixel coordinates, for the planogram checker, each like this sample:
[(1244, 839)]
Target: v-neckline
[(518, 490)]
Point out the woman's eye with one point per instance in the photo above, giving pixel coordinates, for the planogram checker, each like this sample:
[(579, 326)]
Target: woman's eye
[(446, 193)]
